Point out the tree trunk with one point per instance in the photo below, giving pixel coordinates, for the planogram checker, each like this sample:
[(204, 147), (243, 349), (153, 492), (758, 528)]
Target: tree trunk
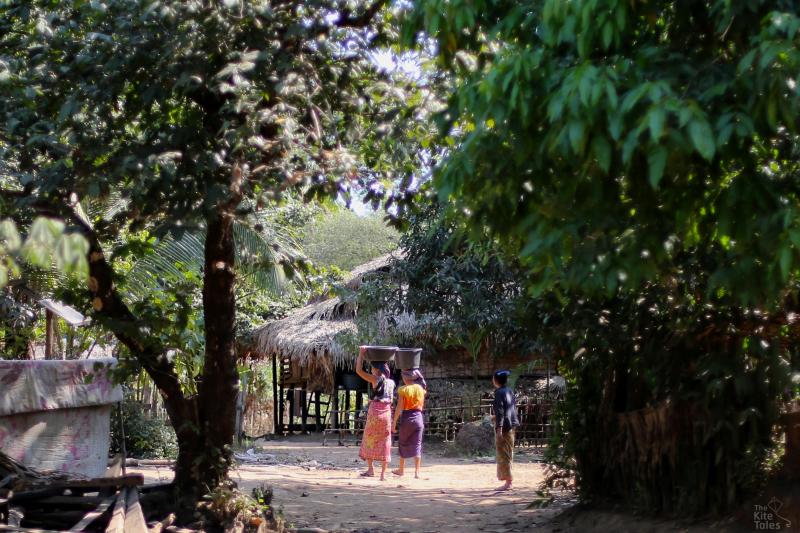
[(205, 462), (204, 424)]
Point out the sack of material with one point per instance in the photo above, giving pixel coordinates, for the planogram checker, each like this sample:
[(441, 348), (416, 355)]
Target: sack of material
[(55, 415)]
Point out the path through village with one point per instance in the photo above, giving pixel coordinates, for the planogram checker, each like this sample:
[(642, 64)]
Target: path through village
[(319, 487)]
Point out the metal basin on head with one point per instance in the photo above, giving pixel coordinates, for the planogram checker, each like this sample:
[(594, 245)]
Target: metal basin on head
[(408, 358), (380, 354)]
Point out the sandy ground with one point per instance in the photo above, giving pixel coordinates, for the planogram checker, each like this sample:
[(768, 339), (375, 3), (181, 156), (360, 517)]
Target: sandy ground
[(318, 486), (452, 494)]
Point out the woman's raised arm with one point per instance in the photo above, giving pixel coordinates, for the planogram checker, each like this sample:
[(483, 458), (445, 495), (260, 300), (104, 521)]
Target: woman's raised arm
[(366, 376)]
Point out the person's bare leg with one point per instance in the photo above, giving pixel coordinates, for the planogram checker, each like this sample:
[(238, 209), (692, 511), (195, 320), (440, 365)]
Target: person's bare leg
[(401, 469), (417, 464), (370, 471), (383, 471)]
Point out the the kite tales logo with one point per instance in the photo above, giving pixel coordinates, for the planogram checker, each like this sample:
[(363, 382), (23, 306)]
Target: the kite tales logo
[(767, 517)]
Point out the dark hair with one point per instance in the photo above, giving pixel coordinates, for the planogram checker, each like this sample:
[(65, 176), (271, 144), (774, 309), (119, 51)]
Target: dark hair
[(383, 367), (501, 377)]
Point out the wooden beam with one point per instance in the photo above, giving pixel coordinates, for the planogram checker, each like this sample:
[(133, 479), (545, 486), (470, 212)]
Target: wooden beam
[(71, 501), (117, 522), (94, 515), (128, 480), (4, 527), (134, 517)]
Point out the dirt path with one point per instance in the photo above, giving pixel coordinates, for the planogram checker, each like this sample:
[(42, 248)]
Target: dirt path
[(319, 487), (453, 494)]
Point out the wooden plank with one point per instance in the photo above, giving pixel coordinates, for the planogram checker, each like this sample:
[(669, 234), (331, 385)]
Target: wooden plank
[(134, 517), (93, 515), (17, 529), (59, 519), (71, 501), (38, 494), (117, 522), (129, 480)]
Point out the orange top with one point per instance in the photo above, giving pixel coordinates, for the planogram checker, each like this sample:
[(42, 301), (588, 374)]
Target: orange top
[(413, 397)]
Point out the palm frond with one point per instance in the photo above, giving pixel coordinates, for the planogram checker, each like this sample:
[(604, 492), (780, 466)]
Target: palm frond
[(265, 257)]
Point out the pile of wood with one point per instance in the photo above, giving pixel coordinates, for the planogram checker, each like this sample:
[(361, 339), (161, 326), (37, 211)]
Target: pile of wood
[(43, 502)]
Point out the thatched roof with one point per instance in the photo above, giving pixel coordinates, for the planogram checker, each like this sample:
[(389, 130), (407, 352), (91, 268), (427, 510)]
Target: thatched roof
[(311, 332), (308, 332)]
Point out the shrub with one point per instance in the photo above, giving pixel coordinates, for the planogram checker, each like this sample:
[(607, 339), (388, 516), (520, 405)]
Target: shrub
[(145, 437)]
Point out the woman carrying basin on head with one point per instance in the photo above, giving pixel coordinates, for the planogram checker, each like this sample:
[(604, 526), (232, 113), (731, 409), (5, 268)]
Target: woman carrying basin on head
[(376, 443), (410, 402)]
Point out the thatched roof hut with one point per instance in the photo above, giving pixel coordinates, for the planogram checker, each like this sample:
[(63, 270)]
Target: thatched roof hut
[(308, 336)]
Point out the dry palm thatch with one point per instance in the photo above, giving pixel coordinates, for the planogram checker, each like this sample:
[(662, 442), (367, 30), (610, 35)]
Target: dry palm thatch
[(308, 336), (308, 333)]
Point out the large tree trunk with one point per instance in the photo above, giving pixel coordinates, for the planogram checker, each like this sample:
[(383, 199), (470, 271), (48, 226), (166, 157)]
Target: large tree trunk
[(204, 424), (204, 462), (205, 457)]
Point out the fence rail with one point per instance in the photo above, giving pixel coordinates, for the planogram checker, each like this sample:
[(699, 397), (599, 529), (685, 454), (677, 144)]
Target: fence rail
[(445, 421)]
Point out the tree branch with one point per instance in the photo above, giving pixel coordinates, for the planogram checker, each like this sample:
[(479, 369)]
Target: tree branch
[(348, 20)]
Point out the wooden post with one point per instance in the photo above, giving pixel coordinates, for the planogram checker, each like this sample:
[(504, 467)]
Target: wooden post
[(49, 334), (282, 396), (359, 401), (317, 414), (240, 401), (303, 410), (346, 408), (335, 408), (290, 393), (275, 402)]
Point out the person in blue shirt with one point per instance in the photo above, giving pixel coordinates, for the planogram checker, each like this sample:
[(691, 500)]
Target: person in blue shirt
[(506, 420)]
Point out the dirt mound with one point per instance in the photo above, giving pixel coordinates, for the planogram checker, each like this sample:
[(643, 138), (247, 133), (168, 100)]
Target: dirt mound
[(476, 438)]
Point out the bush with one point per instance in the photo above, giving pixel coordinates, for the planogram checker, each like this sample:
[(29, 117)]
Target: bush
[(145, 437)]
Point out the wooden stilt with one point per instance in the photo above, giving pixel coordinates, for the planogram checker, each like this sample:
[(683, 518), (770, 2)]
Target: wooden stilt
[(335, 408), (347, 409), (290, 393), (303, 410), (317, 411), (275, 421)]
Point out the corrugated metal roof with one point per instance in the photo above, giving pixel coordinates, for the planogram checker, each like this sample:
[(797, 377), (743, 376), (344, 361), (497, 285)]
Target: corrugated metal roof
[(71, 315)]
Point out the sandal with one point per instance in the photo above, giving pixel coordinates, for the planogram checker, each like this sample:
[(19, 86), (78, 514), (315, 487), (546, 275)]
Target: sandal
[(367, 474)]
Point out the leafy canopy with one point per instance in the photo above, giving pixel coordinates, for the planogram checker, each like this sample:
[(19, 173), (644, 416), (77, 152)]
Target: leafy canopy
[(163, 102), (607, 136)]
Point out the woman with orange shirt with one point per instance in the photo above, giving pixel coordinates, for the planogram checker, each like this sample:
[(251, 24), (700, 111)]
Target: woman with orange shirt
[(410, 402)]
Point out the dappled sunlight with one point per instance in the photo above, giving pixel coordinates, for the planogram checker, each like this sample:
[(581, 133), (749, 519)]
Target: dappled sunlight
[(453, 493)]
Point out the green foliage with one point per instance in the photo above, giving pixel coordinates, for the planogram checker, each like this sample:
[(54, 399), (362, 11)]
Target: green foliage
[(190, 118), (608, 136), (46, 244), (673, 401), (145, 437), (446, 291), (641, 160), (343, 239)]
